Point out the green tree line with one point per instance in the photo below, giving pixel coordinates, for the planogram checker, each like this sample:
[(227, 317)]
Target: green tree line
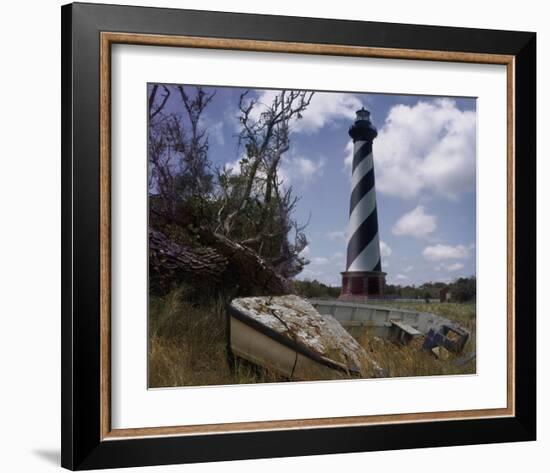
[(460, 290)]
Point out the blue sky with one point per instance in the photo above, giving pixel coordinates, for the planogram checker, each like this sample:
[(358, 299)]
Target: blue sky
[(425, 167)]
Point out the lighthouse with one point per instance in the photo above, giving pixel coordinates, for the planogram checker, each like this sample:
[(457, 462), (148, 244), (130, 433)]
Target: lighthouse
[(363, 277)]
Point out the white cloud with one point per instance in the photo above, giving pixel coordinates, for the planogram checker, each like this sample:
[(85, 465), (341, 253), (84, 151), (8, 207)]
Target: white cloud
[(398, 278), (348, 159), (215, 132), (429, 147), (454, 267), (214, 128), (319, 260), (385, 249), (441, 252), (293, 168), (416, 223), (408, 269), (325, 269), (296, 168), (307, 168), (308, 273), (325, 109), (337, 235), (233, 167)]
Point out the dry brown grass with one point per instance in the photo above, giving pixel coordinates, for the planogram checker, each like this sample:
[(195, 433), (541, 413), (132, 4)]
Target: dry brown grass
[(188, 346)]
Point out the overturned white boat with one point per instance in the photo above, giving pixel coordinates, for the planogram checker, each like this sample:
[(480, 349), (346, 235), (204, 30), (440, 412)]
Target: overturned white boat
[(287, 335)]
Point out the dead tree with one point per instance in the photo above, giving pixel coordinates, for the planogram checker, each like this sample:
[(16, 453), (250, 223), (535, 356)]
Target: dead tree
[(165, 254), (259, 198), (254, 244), (248, 272), (178, 148), (213, 265), (265, 140)]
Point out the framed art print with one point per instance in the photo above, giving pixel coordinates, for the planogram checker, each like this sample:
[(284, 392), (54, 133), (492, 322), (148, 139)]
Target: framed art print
[(292, 236)]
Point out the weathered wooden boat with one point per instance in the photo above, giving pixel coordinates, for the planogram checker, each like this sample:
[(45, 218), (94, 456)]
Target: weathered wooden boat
[(288, 336), (398, 324)]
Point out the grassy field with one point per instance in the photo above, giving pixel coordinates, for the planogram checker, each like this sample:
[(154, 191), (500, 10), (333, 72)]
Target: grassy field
[(188, 346)]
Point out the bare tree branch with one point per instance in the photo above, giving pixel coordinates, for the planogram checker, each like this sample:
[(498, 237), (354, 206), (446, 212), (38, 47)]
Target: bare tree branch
[(166, 95), (265, 139)]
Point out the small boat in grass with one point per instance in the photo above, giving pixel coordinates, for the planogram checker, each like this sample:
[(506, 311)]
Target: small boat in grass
[(287, 335)]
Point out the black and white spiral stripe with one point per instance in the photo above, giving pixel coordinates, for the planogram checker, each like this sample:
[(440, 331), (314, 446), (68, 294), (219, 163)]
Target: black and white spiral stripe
[(363, 244)]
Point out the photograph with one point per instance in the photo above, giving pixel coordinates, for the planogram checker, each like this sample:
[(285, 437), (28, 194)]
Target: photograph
[(284, 236), (309, 235)]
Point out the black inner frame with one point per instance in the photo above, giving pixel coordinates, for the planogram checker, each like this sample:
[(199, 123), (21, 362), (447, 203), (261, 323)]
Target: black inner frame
[(80, 419)]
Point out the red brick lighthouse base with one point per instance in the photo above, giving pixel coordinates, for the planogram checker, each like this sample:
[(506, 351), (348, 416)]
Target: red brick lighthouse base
[(359, 286)]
